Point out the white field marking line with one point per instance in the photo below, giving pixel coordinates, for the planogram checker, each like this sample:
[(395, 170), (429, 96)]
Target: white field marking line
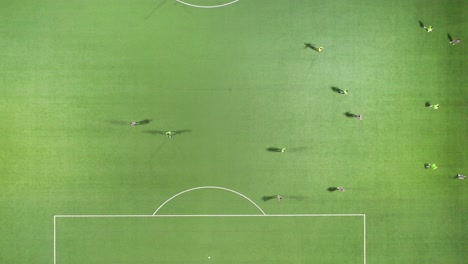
[(215, 6), (156, 216), (209, 187), (364, 239), (227, 215), (55, 240)]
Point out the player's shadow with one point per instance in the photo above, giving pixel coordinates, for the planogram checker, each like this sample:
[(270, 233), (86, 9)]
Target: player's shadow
[(273, 149), (118, 122), (124, 123), (350, 115), (421, 24), (332, 189), (310, 46), (427, 104), (178, 132), (449, 37), (336, 89), (267, 198), (144, 121), (173, 132), (155, 132)]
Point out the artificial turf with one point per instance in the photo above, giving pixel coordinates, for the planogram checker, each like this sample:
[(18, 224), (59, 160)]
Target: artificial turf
[(235, 81)]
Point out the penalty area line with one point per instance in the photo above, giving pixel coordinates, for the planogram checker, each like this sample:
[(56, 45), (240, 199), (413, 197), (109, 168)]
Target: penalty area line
[(217, 215), (207, 215)]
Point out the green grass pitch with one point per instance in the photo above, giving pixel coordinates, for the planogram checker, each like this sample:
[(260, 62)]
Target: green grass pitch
[(232, 82)]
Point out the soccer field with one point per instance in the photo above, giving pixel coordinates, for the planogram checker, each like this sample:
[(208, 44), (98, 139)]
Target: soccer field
[(235, 82)]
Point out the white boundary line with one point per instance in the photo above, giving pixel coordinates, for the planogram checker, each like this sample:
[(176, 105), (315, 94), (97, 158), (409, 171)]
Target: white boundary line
[(234, 215), (209, 187), (199, 6), (55, 239), (365, 254)]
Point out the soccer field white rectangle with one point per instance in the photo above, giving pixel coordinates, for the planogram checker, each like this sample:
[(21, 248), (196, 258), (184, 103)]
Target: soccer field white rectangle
[(214, 238)]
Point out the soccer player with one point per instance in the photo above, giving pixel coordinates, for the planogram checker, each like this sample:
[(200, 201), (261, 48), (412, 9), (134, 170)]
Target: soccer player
[(341, 189), (320, 49), (169, 134), (280, 197), (359, 116), (428, 29), (429, 165), (455, 41), (283, 150), (436, 106), (461, 177), (133, 123), (345, 92)]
